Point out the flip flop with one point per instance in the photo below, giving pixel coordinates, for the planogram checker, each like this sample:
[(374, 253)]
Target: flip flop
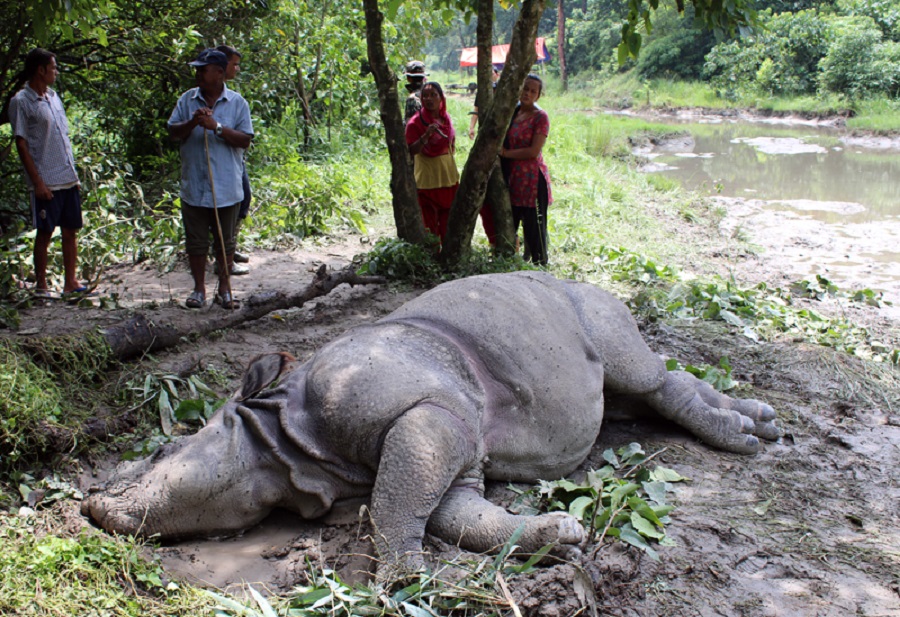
[(195, 300), (81, 292), (227, 301), (78, 294)]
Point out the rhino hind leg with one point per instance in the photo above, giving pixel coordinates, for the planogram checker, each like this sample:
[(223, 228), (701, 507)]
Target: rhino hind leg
[(717, 419), (466, 519), (763, 415)]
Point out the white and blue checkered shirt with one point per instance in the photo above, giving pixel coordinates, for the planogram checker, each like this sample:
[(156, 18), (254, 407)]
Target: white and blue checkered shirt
[(41, 122)]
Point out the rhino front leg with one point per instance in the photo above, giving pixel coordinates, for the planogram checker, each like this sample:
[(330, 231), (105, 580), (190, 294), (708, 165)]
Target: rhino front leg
[(467, 519), (679, 399), (423, 452)]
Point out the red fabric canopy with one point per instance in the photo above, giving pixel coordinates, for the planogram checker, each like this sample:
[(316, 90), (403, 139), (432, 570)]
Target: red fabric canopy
[(469, 55)]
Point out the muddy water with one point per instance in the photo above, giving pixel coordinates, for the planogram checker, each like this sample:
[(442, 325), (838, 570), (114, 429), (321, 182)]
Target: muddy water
[(815, 198)]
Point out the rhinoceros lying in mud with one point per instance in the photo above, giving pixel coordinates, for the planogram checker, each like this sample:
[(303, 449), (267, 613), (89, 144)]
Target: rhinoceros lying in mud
[(497, 376)]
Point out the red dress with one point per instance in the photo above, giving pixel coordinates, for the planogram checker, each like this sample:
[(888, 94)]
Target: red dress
[(437, 178), (524, 174)]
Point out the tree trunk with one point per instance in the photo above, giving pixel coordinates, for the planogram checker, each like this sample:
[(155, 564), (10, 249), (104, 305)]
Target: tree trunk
[(142, 335), (407, 215), (497, 195), (561, 43), (474, 179)]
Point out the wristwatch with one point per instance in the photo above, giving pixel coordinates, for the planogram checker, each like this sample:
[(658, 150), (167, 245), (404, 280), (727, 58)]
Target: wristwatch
[(218, 130)]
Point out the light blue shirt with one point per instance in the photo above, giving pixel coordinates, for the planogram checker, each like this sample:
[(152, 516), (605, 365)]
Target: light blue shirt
[(231, 111), (41, 122)]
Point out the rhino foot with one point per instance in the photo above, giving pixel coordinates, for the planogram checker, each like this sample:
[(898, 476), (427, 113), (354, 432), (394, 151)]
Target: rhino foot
[(719, 420), (570, 530)]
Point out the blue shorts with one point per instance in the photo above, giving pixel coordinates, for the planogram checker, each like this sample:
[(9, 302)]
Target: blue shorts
[(63, 210)]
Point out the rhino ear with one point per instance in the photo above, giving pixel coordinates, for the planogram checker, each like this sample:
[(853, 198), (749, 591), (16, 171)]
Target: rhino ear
[(263, 370)]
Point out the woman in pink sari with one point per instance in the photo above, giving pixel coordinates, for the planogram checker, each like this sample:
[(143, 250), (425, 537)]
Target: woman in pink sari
[(432, 141)]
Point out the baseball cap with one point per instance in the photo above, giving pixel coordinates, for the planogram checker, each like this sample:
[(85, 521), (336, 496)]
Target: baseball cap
[(211, 56)]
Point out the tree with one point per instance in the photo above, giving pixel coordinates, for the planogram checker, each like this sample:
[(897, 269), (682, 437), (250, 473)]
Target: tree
[(561, 43), (407, 216), (721, 17)]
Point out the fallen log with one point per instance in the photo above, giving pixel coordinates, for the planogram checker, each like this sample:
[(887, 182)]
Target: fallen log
[(143, 334)]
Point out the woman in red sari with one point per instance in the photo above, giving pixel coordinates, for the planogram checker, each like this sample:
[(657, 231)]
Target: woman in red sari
[(525, 171), (432, 141)]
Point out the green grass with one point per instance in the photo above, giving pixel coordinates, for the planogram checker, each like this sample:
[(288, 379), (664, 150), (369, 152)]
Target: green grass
[(47, 571), (877, 115)]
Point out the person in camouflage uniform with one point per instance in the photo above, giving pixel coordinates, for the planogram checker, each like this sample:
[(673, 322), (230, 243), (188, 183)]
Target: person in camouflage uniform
[(415, 79)]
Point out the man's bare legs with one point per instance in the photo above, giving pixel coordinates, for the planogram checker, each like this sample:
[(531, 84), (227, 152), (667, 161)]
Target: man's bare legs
[(70, 259), (41, 247)]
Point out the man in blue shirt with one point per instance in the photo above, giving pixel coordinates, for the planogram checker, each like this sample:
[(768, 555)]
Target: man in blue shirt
[(211, 170), (234, 66), (42, 139)]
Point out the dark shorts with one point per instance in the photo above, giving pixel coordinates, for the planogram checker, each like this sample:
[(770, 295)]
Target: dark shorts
[(64, 210), (199, 223)]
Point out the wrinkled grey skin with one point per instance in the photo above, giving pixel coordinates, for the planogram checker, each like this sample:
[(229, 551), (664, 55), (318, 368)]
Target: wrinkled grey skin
[(499, 376)]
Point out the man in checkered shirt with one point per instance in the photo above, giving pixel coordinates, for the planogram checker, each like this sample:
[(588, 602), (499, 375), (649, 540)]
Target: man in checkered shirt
[(42, 140)]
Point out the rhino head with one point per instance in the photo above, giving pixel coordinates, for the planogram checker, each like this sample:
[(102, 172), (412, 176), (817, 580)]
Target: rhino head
[(210, 483), (225, 478)]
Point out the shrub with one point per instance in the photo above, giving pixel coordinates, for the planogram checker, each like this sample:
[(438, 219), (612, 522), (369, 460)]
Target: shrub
[(679, 55), (781, 58), (851, 64)]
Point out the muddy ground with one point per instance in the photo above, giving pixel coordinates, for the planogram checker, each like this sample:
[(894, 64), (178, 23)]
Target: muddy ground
[(808, 527)]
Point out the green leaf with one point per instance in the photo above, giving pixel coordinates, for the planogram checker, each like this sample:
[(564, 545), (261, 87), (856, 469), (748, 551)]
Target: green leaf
[(610, 457), (629, 535), (579, 505), (632, 454), (762, 507), (642, 508), (528, 565), (416, 611), (596, 478), (165, 413), (620, 493), (645, 527), (508, 546), (664, 474), (190, 409), (656, 491), (231, 605), (264, 605)]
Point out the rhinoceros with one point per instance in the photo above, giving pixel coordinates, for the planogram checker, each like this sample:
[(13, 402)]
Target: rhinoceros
[(490, 377)]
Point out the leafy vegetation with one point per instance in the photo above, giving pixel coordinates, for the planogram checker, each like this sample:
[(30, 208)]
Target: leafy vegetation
[(460, 585), (45, 387), (625, 499), (46, 571)]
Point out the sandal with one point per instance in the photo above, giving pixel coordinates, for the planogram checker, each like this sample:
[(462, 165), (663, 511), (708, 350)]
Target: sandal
[(78, 294), (196, 300), (227, 301)]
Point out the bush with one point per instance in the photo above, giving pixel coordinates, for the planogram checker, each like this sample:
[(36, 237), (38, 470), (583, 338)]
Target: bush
[(781, 58), (678, 55), (854, 64), (885, 13)]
